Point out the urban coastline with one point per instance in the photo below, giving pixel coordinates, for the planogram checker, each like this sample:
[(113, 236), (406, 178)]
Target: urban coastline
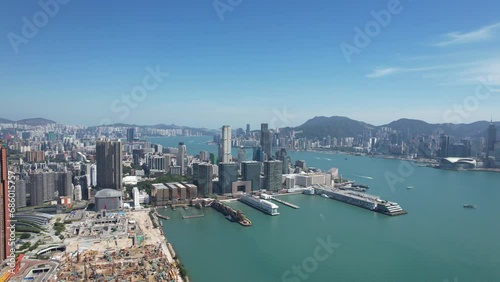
[(95, 204)]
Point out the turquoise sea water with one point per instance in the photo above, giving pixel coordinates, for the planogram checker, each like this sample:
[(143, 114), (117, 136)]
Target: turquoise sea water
[(438, 240)]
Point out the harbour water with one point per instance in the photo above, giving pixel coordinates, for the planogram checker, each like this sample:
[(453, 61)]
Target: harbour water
[(438, 240)]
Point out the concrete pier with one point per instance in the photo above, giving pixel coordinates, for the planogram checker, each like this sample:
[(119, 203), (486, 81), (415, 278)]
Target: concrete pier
[(285, 203)]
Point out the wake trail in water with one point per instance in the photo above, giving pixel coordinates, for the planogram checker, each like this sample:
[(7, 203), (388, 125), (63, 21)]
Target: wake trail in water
[(362, 176)]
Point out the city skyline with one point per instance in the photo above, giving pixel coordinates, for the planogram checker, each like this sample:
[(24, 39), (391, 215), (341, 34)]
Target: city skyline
[(191, 56)]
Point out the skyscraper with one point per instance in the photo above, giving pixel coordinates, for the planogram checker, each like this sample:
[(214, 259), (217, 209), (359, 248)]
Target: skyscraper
[(282, 156), (444, 146), (492, 137), (204, 179), (248, 130), (272, 175), (225, 150), (250, 171), (181, 157), (266, 142), (228, 173), (4, 209), (109, 164), (258, 154), (130, 134), (241, 156)]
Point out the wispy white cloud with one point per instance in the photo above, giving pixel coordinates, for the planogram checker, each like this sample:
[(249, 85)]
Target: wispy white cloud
[(484, 33), (379, 72)]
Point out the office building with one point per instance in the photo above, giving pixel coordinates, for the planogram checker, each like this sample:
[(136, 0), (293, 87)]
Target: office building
[(228, 173), (250, 171), (272, 175), (109, 165), (4, 209), (204, 179), (258, 155), (266, 141), (241, 156), (213, 158), (282, 156), (248, 130), (444, 146), (130, 135), (492, 137)]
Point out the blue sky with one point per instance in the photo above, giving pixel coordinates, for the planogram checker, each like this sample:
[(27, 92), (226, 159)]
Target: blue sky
[(257, 61)]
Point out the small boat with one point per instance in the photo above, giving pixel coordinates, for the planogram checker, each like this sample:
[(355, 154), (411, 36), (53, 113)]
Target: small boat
[(325, 196), (409, 187), (469, 206)]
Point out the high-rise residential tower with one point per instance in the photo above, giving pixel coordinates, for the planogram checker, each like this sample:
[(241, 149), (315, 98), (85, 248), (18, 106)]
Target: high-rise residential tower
[(225, 145), (181, 157), (109, 164)]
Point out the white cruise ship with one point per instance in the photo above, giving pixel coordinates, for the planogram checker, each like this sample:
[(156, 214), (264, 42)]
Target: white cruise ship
[(260, 204)]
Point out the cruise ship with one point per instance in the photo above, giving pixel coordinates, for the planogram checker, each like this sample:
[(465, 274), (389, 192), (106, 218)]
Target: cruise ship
[(356, 199), (260, 204), (389, 208), (366, 201)]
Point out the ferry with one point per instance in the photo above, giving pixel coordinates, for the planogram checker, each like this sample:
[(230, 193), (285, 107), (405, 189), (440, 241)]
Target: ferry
[(262, 205)]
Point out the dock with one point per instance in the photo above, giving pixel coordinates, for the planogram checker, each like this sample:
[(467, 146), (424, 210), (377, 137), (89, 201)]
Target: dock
[(162, 216), (285, 203), (192, 216)]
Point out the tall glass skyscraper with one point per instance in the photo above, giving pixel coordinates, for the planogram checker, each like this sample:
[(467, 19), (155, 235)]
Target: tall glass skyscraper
[(266, 141), (250, 171), (272, 175), (109, 164)]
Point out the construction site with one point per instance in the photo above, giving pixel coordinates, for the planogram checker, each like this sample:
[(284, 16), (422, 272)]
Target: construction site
[(137, 263), (118, 247), (105, 246)]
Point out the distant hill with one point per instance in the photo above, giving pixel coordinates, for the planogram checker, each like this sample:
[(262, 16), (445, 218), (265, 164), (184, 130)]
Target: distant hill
[(335, 126), (29, 121), (4, 120), (475, 129)]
